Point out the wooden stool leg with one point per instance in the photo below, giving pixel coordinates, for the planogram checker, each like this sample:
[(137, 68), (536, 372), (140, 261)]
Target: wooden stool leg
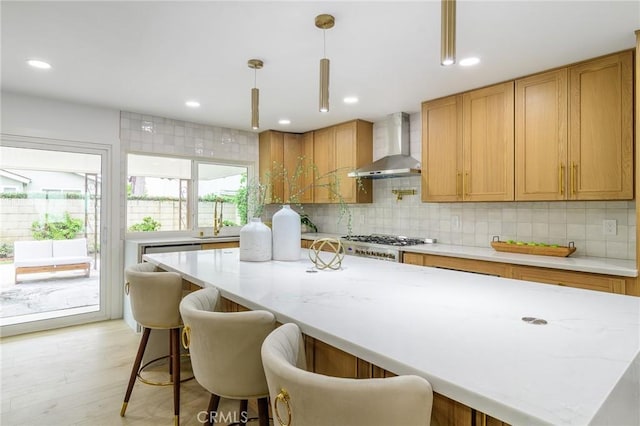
[(134, 370), (175, 333), (214, 401), (263, 411), (171, 351), (244, 413)]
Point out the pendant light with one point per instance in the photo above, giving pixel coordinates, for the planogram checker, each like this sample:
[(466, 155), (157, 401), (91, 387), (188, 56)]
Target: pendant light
[(324, 22), (255, 64), (448, 33)]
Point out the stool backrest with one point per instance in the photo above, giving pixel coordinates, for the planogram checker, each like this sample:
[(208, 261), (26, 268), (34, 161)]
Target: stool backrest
[(225, 346), (299, 397), (155, 296)]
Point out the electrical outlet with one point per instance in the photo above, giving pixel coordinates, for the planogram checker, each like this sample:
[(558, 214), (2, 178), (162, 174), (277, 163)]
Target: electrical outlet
[(455, 222), (609, 227)]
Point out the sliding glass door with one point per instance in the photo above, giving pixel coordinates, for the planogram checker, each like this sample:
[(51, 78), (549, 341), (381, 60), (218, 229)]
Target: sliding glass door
[(51, 208)]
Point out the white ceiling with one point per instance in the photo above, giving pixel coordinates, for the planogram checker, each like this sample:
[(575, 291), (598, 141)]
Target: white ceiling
[(150, 57)]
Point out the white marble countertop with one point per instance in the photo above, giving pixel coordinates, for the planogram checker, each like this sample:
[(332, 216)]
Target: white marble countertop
[(461, 331), (596, 265)]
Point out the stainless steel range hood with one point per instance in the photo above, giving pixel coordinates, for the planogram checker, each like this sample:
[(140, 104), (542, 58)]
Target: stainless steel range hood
[(398, 162)]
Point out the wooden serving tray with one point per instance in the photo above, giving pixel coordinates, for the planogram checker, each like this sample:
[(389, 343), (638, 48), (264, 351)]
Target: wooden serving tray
[(561, 251)]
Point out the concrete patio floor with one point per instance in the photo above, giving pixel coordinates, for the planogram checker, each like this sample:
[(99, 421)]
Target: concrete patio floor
[(45, 292)]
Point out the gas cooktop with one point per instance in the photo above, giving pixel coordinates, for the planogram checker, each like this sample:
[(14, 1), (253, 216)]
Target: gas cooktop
[(390, 240)]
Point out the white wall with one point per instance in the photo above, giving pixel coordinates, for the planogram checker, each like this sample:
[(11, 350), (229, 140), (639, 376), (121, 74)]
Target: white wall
[(35, 119)]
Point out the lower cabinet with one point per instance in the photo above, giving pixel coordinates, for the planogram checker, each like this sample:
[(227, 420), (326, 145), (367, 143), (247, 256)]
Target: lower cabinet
[(585, 280), (330, 361), (226, 244)]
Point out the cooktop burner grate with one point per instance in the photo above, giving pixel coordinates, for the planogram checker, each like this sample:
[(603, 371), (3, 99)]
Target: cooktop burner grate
[(390, 240)]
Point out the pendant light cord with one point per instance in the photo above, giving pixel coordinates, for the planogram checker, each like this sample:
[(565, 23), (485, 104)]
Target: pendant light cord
[(255, 78)]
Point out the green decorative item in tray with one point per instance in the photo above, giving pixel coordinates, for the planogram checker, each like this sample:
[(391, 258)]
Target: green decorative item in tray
[(523, 247)]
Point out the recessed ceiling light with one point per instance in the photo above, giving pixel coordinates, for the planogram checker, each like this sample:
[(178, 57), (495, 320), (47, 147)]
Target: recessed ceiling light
[(39, 64), (192, 104), (350, 100), (284, 121), (467, 62)]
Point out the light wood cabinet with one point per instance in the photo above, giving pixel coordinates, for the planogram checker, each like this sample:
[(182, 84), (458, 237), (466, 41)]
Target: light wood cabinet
[(601, 128), (338, 150), (468, 146), (442, 149), (324, 153), (585, 280), (541, 136), (286, 165), (488, 144), (221, 245), (574, 130), (271, 151)]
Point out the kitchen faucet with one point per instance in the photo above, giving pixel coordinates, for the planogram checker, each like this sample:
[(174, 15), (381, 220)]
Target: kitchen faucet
[(217, 218)]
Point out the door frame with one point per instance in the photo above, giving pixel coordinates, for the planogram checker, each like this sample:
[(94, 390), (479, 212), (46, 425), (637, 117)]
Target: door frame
[(109, 288)]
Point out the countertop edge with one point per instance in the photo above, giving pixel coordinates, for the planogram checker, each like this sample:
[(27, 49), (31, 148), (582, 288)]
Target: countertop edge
[(594, 265)]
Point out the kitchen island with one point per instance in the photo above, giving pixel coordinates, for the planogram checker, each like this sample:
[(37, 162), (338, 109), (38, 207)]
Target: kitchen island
[(463, 332)]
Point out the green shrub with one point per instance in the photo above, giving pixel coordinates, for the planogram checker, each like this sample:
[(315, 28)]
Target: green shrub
[(65, 229), (6, 250), (148, 224)]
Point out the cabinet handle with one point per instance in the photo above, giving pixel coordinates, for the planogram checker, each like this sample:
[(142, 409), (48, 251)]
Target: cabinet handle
[(561, 179), (574, 182), (458, 184), (465, 183)]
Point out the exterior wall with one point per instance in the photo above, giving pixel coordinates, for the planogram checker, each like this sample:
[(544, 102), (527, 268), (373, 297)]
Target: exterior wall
[(552, 222)]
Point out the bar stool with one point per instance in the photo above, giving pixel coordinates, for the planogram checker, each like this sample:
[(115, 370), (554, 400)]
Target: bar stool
[(225, 352), (155, 300), (300, 397)]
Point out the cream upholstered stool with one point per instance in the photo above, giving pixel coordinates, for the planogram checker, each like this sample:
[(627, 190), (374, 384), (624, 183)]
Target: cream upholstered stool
[(155, 300), (299, 397), (225, 351)]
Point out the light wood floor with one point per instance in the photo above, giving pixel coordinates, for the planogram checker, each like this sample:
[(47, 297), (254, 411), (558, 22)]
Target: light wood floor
[(78, 376)]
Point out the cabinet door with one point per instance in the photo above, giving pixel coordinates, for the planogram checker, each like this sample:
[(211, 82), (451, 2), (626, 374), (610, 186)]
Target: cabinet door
[(306, 178), (324, 159), (488, 143), (570, 279), (346, 150), (601, 128), (442, 149), (292, 167), (541, 136), (271, 163)]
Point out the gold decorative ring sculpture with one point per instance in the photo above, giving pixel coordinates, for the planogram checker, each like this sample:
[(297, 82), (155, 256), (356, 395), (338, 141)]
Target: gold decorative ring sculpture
[(186, 337), (283, 397), (330, 245)]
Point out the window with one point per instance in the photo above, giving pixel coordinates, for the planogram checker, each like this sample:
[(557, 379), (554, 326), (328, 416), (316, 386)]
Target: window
[(178, 194), (9, 189)]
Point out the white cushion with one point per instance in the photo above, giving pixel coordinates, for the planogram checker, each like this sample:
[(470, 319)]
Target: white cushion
[(64, 248), (31, 250)]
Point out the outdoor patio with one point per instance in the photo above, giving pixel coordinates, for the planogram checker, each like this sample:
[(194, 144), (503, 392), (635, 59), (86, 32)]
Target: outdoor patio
[(44, 292)]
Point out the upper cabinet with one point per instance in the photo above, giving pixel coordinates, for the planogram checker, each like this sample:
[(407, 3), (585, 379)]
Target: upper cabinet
[(467, 152), (541, 136), (313, 167), (487, 139), (286, 164), (442, 149), (601, 128), (574, 129), (338, 150)]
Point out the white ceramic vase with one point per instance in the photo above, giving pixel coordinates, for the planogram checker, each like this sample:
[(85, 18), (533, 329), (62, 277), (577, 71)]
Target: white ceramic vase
[(286, 234), (255, 241)]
